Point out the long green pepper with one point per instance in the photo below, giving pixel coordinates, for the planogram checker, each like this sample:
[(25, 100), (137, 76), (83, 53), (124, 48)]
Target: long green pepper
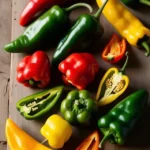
[(83, 33), (49, 27)]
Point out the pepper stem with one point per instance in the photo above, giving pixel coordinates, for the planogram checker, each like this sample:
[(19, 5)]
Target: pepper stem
[(146, 2), (146, 47), (31, 82), (98, 13), (79, 5), (104, 139), (125, 64), (45, 140)]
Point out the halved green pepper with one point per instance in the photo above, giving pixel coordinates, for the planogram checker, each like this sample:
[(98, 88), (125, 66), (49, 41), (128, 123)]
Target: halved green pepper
[(77, 107), (36, 105)]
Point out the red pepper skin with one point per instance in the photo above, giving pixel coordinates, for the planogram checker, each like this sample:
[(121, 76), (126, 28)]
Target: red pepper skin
[(114, 50), (36, 6), (34, 71), (79, 69)]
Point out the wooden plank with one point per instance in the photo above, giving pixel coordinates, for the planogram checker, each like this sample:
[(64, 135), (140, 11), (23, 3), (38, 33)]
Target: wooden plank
[(139, 75), (5, 35)]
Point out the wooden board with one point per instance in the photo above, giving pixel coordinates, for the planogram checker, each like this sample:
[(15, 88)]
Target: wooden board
[(138, 71)]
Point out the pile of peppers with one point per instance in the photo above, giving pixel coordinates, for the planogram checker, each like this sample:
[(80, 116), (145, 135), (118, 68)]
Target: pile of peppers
[(49, 22)]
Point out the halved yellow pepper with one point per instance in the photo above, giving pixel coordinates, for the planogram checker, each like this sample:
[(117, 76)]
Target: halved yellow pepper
[(19, 140), (112, 85), (57, 131)]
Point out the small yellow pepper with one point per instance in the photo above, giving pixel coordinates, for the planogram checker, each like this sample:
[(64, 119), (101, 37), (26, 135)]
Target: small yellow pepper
[(57, 131), (19, 140), (128, 25)]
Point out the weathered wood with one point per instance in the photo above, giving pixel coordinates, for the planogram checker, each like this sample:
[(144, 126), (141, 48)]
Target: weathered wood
[(5, 35)]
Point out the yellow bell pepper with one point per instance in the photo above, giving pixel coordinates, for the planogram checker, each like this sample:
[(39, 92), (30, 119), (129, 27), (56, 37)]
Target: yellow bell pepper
[(57, 131), (112, 85), (19, 140), (128, 25)]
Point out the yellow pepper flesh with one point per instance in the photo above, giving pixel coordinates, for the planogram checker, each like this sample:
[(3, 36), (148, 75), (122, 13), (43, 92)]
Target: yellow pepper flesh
[(124, 21), (57, 131), (20, 140)]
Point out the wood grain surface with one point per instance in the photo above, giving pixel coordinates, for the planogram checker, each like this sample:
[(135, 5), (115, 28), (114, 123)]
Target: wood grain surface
[(138, 71)]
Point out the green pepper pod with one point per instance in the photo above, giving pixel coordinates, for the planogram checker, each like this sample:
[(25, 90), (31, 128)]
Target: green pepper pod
[(36, 105), (83, 33), (49, 27), (78, 107), (117, 124)]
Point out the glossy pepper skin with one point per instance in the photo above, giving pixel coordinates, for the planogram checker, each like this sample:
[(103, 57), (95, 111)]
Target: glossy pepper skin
[(91, 142), (129, 27), (77, 107), (114, 50), (117, 124), (134, 3), (48, 28), (19, 140), (57, 131), (81, 35), (36, 105), (113, 84), (34, 71), (36, 6), (79, 69)]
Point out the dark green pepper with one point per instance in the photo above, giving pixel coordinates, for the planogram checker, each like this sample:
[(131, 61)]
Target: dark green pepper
[(83, 33), (36, 105), (117, 124), (78, 107), (49, 27), (134, 3)]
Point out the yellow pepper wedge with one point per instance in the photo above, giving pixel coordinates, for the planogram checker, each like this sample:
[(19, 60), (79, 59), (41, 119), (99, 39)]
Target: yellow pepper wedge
[(57, 131), (128, 25), (113, 84), (19, 140)]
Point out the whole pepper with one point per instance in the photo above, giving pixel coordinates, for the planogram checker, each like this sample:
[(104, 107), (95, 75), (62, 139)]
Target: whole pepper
[(79, 69), (34, 71), (19, 140), (134, 3), (118, 123), (77, 107), (57, 131), (82, 34), (112, 85), (126, 24), (49, 27), (36, 6), (36, 105)]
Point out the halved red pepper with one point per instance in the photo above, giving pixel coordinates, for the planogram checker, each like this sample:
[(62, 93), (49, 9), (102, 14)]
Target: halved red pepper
[(34, 71), (90, 143), (79, 69), (36, 6), (115, 50)]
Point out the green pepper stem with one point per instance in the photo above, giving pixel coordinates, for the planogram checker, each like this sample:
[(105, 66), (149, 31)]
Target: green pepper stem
[(146, 2), (145, 45), (79, 5), (98, 13), (31, 82), (106, 136), (122, 70)]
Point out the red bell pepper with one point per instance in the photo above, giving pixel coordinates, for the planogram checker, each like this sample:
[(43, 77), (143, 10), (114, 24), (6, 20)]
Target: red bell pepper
[(34, 71), (79, 69), (90, 143), (36, 6), (115, 50)]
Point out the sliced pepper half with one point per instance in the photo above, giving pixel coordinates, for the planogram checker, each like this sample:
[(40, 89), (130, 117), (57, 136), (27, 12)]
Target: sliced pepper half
[(115, 50), (36, 105), (112, 85)]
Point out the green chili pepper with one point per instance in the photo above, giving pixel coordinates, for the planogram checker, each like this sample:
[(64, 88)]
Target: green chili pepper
[(49, 27), (78, 107), (36, 105), (133, 3), (117, 124), (83, 33)]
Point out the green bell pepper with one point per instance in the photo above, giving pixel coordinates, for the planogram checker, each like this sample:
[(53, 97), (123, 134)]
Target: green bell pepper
[(49, 27), (36, 105), (118, 123), (85, 31), (77, 107), (134, 3)]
